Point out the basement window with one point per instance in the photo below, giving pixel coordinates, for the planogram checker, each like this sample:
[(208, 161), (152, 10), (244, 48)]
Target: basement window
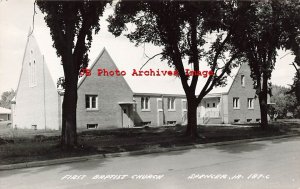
[(258, 120), (34, 127), (249, 120), (236, 120), (171, 122), (91, 126), (146, 123)]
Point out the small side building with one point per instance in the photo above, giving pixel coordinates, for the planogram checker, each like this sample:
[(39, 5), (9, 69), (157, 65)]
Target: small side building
[(5, 114)]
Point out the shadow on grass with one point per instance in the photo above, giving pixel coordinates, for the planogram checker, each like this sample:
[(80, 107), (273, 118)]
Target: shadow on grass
[(241, 148), (41, 147)]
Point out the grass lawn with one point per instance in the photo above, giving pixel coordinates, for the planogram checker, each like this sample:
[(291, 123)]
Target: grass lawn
[(18, 146)]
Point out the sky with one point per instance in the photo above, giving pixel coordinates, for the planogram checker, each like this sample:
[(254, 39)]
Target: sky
[(16, 18)]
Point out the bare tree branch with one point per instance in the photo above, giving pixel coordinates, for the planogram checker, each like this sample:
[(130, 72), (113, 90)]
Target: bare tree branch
[(150, 59), (298, 71)]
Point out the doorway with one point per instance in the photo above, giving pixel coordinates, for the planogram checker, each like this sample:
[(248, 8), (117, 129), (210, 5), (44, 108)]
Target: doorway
[(126, 117)]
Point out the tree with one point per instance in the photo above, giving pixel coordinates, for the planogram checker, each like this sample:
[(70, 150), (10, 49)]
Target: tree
[(291, 41), (6, 98), (181, 28), (283, 102), (259, 37), (71, 27)]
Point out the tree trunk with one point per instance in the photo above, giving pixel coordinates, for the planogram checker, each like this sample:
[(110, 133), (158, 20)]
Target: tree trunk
[(263, 102), (263, 112), (69, 133), (191, 130)]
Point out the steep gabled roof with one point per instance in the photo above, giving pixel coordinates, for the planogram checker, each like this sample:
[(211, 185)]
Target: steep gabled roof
[(155, 85), (31, 41)]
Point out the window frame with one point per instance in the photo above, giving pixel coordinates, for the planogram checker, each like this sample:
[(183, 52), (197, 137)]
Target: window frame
[(90, 100), (145, 103), (250, 101), (92, 126), (236, 105), (243, 83), (171, 101)]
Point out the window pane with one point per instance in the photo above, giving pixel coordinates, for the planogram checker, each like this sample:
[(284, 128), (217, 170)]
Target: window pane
[(250, 102), (142, 103), (93, 101), (147, 103), (87, 101), (236, 102), (243, 80), (173, 103)]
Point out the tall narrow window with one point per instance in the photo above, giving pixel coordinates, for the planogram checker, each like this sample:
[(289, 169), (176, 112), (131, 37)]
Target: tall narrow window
[(236, 103), (145, 103), (171, 103), (34, 73), (91, 102), (29, 74), (243, 80), (250, 103)]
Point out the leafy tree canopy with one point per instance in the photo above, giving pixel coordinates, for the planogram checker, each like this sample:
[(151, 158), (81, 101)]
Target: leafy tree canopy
[(71, 27), (6, 98), (180, 28), (185, 30)]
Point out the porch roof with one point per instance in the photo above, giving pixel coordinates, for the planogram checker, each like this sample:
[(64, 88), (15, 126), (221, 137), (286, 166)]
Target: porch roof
[(5, 111), (127, 103)]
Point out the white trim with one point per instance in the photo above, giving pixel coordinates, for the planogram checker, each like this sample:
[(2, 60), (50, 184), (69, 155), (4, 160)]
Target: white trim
[(251, 107), (90, 102), (243, 81), (238, 103), (159, 109), (183, 110), (143, 104), (170, 100)]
